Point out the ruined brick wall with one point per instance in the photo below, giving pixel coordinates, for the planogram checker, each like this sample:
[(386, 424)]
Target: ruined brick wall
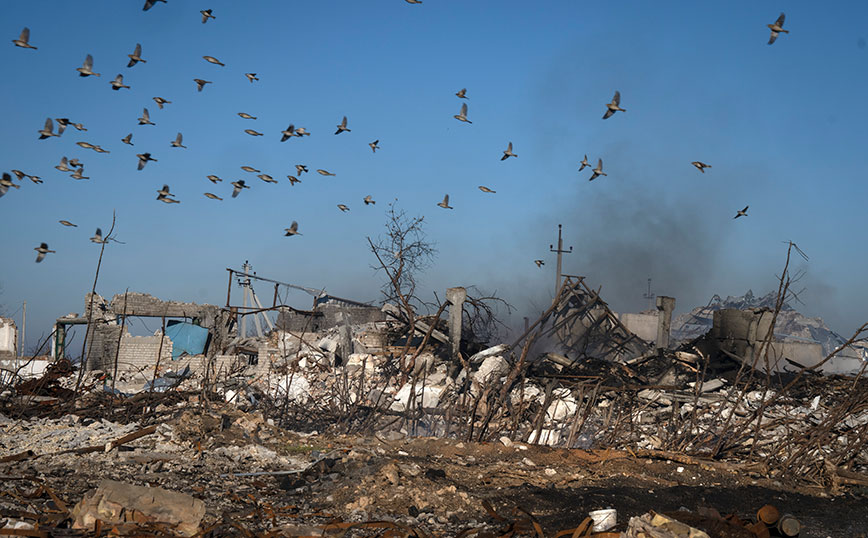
[(135, 352), (143, 304)]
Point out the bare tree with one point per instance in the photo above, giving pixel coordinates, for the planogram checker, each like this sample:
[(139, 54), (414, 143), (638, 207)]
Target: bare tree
[(402, 253)]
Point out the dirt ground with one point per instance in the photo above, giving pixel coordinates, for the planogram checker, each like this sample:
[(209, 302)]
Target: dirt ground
[(441, 486)]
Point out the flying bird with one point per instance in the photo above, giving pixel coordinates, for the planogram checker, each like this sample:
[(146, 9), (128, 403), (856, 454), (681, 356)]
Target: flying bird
[(86, 68), (165, 196), (136, 56), (343, 126), (368, 200), (293, 180), (246, 116), (160, 102), (24, 39), (445, 203), (214, 179), (598, 171), (118, 83), (301, 131), (539, 263), (213, 60), (238, 186), (85, 145), (250, 169), (200, 83), (79, 174), (292, 230), (414, 1), (150, 3), (462, 116), (251, 77), (47, 130), (97, 237), (584, 162), (213, 196), (777, 28), (146, 118), (7, 182), (300, 169), (701, 166), (128, 139), (177, 142), (19, 174), (144, 158), (483, 188), (206, 14), (462, 93), (508, 153), (75, 163), (614, 106), (287, 133), (266, 178), (324, 172), (343, 208), (61, 124), (42, 249), (374, 146), (35, 179), (742, 213), (67, 223), (252, 132), (64, 165), (99, 149)]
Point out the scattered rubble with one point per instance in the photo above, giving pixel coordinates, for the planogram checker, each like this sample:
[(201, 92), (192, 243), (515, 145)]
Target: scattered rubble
[(416, 423)]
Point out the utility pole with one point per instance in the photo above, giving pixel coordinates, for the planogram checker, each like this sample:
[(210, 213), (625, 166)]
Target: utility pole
[(649, 296), (559, 251), (23, 330)]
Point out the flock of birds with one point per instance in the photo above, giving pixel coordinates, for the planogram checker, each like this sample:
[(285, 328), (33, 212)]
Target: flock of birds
[(76, 168)]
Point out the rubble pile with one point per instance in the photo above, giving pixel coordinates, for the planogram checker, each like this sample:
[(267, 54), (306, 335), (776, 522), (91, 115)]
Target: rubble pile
[(381, 417)]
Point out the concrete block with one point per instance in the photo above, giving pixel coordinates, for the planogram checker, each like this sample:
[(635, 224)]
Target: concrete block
[(116, 502)]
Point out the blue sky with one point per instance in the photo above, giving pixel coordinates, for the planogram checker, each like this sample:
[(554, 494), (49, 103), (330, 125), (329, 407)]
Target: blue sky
[(783, 126)]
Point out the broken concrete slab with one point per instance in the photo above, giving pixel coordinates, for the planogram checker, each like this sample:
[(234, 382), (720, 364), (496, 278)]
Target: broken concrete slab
[(118, 502)]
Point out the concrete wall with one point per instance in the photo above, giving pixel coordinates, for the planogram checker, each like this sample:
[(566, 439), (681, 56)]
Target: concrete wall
[(357, 315), (741, 332), (26, 368), (327, 316), (642, 325), (8, 338)]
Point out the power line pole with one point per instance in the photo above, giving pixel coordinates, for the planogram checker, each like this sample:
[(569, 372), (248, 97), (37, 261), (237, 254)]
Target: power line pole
[(559, 251), (23, 330), (649, 296)]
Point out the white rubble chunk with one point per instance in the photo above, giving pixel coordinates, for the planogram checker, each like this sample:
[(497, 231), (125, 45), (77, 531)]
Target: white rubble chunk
[(429, 396), (485, 353), (295, 388), (493, 367), (563, 405)]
